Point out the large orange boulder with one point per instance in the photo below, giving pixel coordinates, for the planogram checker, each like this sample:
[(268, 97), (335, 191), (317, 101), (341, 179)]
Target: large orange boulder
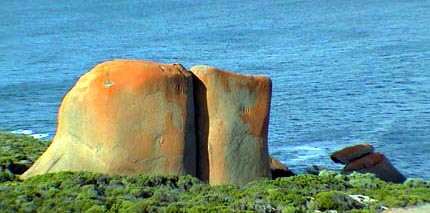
[(232, 117), (125, 117)]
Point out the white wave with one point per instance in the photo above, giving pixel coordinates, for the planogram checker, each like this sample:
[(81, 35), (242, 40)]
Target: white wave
[(292, 155), (306, 148), (23, 132), (40, 136), (31, 133)]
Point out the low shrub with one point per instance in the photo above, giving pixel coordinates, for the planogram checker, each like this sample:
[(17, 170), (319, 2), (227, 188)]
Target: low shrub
[(90, 192)]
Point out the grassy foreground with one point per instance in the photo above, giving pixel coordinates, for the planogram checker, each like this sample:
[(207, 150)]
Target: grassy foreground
[(89, 192)]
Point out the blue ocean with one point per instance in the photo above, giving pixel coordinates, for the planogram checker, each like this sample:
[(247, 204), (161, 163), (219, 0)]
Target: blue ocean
[(343, 72)]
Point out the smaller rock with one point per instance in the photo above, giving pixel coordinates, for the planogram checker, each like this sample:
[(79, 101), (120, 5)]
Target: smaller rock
[(278, 169), (315, 170), (377, 164), (363, 199), (327, 173), (352, 153)]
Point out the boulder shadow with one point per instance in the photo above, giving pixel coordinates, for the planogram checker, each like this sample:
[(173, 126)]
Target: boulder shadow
[(201, 128)]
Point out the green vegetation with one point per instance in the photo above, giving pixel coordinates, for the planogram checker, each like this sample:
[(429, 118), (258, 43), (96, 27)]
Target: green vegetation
[(89, 192), (17, 154)]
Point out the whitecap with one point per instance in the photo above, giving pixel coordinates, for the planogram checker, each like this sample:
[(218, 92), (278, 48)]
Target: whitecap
[(306, 148), (23, 132), (40, 136)]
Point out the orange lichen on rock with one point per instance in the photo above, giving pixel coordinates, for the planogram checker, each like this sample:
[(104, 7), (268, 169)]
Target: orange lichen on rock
[(125, 117), (232, 112)]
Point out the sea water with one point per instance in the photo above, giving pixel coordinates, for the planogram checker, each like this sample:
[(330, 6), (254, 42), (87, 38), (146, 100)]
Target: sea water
[(343, 72)]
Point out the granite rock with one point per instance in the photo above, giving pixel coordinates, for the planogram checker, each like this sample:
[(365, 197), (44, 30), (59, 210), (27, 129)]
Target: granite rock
[(377, 164), (125, 117), (232, 117), (352, 153)]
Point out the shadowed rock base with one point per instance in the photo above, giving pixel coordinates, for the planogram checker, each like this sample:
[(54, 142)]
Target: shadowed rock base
[(278, 169), (125, 117)]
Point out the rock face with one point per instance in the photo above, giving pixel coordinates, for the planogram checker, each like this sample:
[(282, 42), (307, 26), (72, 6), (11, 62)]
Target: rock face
[(278, 169), (361, 158), (351, 153), (133, 117), (377, 164), (125, 117), (232, 112)]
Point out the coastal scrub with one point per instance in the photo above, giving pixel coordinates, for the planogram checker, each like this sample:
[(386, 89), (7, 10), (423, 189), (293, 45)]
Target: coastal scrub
[(90, 192), (18, 153)]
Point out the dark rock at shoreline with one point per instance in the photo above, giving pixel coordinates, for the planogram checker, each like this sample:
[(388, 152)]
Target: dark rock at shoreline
[(315, 170), (360, 158), (278, 169), (377, 164), (351, 153)]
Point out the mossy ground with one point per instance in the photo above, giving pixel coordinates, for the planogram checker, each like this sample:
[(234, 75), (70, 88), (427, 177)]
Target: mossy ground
[(89, 192), (17, 154)]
